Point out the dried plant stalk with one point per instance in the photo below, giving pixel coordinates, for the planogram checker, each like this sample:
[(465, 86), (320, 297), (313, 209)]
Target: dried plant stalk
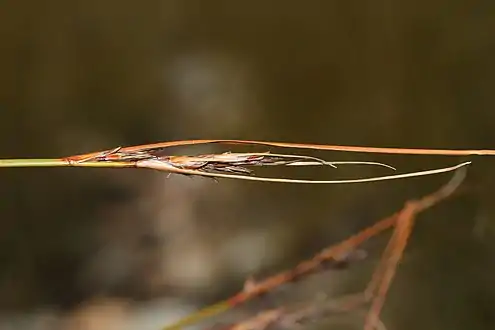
[(234, 165)]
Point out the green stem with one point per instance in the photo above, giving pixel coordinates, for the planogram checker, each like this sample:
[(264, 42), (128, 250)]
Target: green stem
[(47, 162), (199, 316), (32, 162)]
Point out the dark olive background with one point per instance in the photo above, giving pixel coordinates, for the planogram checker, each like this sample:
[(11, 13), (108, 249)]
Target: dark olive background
[(78, 76)]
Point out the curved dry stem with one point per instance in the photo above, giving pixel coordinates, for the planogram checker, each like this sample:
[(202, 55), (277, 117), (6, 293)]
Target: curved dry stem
[(168, 167), (353, 162)]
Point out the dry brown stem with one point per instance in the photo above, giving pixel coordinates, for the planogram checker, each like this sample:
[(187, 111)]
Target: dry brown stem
[(365, 149)]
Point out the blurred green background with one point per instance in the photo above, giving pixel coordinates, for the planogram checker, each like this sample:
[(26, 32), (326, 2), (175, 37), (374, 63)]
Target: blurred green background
[(128, 249)]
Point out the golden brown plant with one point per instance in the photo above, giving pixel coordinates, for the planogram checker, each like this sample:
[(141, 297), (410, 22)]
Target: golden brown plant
[(239, 166), (234, 165)]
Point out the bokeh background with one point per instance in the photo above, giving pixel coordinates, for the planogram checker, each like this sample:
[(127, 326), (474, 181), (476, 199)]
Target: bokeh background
[(133, 249)]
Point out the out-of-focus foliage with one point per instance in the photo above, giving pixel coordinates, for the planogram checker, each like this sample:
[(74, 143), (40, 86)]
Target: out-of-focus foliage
[(77, 76)]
